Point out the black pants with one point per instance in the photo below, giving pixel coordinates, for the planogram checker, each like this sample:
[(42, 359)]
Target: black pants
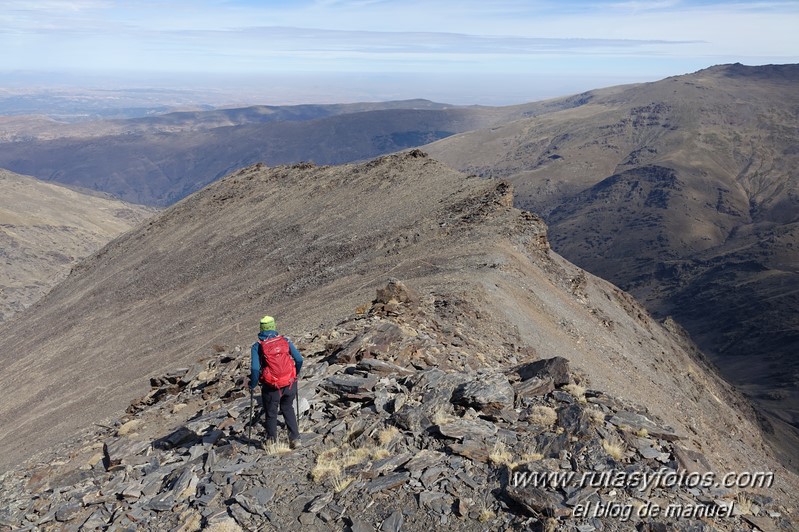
[(272, 398)]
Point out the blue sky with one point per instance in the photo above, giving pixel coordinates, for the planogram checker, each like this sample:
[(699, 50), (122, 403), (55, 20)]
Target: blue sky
[(461, 51)]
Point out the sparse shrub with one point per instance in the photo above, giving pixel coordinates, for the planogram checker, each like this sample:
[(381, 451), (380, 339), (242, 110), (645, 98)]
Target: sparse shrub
[(596, 416), (486, 514), (577, 391), (642, 433), (340, 483), (500, 455), (744, 504), (614, 447), (542, 415), (228, 525), (276, 447), (387, 435)]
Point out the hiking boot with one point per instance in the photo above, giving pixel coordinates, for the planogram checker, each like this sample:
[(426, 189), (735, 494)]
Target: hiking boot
[(295, 444)]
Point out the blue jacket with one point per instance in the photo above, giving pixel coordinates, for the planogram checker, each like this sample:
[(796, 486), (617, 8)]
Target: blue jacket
[(255, 360)]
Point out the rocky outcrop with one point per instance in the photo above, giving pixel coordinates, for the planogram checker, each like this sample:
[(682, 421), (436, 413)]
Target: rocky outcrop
[(406, 437)]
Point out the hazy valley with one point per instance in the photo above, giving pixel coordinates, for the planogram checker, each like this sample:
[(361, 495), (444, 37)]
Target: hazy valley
[(159, 160), (46, 229)]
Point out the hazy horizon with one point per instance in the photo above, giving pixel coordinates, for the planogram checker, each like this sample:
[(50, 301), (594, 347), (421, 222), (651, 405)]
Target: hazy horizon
[(325, 51)]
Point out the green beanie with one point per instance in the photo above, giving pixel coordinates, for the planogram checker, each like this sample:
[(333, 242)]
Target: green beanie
[(267, 323)]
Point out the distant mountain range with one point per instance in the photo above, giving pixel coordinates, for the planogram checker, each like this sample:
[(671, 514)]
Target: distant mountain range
[(686, 193), (159, 160), (46, 229)]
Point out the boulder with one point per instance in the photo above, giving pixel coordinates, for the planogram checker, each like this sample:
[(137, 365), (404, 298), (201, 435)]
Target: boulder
[(488, 390), (556, 369)]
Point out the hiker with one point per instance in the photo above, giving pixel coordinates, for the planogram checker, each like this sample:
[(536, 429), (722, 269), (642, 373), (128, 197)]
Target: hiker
[(276, 364)]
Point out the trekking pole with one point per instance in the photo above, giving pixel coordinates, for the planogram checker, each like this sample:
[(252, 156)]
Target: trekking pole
[(249, 424), (298, 403)]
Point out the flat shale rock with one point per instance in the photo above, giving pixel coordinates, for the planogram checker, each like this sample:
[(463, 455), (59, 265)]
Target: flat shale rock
[(555, 369), (487, 390), (537, 501), (349, 384), (387, 482), (460, 428), (639, 422)]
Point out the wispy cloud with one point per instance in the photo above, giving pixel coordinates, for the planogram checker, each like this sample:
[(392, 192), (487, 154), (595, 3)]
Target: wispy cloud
[(626, 37)]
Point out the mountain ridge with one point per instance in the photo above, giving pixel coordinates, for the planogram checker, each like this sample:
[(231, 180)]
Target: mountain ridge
[(159, 160), (195, 275), (681, 191)]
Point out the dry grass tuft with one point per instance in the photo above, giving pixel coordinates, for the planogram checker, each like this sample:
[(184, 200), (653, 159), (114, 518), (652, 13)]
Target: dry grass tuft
[(577, 391), (340, 483), (531, 456), (228, 525), (614, 447), (333, 461), (744, 504), (542, 415), (500, 455), (596, 416), (486, 514), (387, 435), (276, 447), (441, 417)]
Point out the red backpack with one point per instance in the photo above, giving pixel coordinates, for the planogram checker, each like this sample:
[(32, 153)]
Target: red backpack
[(277, 366)]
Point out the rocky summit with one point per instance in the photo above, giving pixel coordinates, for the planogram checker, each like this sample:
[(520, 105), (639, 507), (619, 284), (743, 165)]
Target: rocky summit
[(405, 427)]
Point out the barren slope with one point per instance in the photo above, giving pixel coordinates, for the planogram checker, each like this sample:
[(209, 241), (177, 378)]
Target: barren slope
[(683, 192), (309, 244), (45, 229)]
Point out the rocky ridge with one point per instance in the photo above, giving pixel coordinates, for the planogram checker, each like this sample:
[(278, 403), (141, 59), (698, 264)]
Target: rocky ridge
[(409, 421)]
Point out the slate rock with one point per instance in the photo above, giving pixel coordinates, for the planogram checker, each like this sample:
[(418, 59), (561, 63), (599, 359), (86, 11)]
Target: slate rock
[(487, 390), (359, 525), (556, 369), (349, 384), (393, 523), (639, 422), (387, 482), (411, 418), (459, 428), (534, 386), (471, 449), (396, 291), (67, 512), (691, 461), (381, 367), (424, 459), (538, 501), (575, 421), (180, 437), (119, 451)]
